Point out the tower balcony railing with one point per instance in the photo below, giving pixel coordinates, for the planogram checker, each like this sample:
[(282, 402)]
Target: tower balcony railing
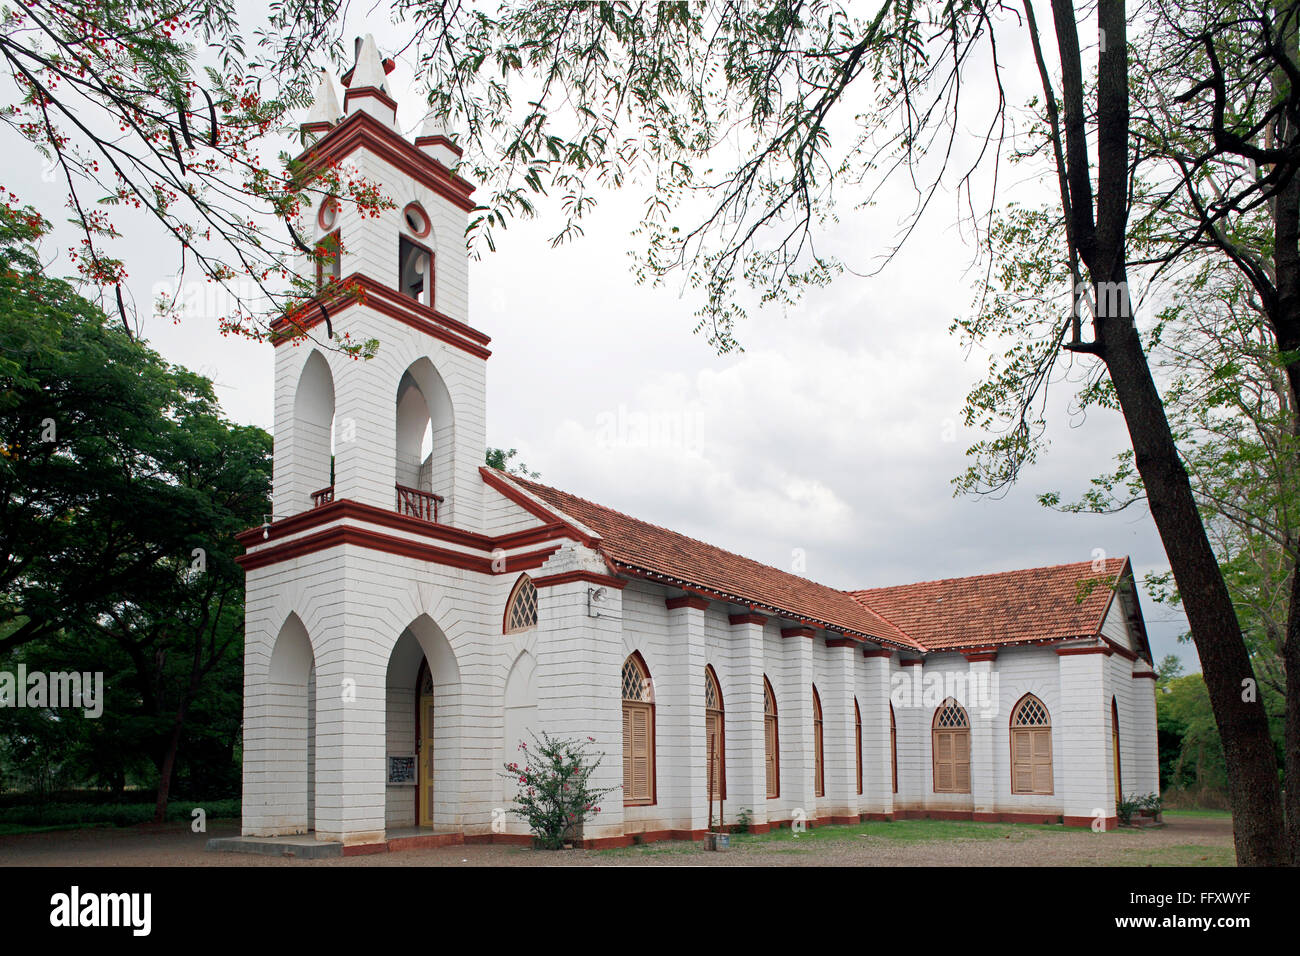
[(411, 502), (418, 504)]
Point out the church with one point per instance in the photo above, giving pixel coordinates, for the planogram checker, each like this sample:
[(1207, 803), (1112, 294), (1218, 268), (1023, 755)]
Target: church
[(412, 616)]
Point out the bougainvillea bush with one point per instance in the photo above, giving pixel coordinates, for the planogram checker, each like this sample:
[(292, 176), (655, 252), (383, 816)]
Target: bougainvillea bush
[(555, 794)]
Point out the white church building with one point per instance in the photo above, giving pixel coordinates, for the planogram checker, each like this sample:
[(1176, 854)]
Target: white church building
[(412, 615)]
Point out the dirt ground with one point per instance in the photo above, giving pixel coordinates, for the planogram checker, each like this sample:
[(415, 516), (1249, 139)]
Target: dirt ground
[(1184, 841)]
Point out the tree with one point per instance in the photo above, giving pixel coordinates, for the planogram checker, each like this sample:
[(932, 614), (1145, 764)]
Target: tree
[(501, 459), (155, 113), (120, 519), (730, 108), (568, 99)]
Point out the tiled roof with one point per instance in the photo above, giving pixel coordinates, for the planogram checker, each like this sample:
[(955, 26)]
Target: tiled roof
[(1063, 601), (638, 545), (1066, 600)]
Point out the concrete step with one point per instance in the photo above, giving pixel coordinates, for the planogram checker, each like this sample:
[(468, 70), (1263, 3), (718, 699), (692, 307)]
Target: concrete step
[(302, 846)]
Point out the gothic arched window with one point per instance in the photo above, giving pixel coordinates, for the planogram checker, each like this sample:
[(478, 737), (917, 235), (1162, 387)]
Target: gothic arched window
[(521, 608), (1031, 747), (951, 741), (638, 733)]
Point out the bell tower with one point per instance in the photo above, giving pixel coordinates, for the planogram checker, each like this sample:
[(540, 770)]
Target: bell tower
[(365, 587), (402, 432)]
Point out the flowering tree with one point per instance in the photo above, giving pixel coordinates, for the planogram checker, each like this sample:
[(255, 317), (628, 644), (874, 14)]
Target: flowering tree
[(555, 793), (136, 127)]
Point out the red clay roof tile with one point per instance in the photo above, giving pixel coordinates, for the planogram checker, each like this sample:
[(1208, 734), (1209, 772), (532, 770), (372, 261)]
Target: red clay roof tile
[(1065, 600), (640, 546), (1036, 604)]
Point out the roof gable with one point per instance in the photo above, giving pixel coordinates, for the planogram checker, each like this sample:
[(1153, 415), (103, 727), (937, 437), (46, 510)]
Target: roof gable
[(1036, 604)]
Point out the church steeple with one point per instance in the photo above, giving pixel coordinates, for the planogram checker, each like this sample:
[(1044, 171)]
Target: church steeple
[(403, 432), (367, 84)]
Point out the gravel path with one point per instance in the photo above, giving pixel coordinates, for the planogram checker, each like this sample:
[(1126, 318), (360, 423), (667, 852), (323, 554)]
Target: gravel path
[(1183, 841)]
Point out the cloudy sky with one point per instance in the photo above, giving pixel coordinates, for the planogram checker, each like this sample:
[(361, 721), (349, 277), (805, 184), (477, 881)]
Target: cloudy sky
[(833, 437)]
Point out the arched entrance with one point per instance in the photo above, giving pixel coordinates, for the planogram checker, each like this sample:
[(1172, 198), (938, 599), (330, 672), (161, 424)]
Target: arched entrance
[(425, 717), (422, 711), (289, 701)]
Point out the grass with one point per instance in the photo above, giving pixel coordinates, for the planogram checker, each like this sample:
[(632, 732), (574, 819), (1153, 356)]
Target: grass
[(900, 831), (38, 818), (914, 832), (1182, 855), (1210, 814)]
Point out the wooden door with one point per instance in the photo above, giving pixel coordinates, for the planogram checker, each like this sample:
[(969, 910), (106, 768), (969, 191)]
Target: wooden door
[(1114, 747), (425, 743)]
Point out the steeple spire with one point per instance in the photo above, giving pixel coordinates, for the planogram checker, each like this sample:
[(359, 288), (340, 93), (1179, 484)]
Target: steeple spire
[(367, 83)]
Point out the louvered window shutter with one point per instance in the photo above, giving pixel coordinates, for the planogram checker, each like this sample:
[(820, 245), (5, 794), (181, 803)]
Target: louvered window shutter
[(773, 782), (1022, 764), (642, 766), (961, 761), (1042, 754), (943, 761), (713, 754), (628, 788), (821, 764)]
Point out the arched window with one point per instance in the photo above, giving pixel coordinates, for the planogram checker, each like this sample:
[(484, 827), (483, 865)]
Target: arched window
[(638, 733), (414, 259), (1114, 748), (328, 215), (521, 608), (819, 758), (893, 747), (310, 471), (715, 751), (771, 743), (857, 741), (329, 245), (951, 741), (424, 442), (1031, 747), (416, 219)]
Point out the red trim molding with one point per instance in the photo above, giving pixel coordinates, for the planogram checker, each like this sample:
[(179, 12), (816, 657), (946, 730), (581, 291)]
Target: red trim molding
[(388, 544), (982, 656), (534, 508), (368, 92), (842, 642), (387, 302), (738, 619), (877, 652), (361, 129), (911, 661), (439, 140), (591, 577), (687, 600), (1145, 674), (807, 632), (1071, 651), (348, 510)]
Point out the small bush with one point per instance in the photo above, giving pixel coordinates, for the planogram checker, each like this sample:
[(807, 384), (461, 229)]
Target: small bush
[(555, 795), (1125, 809)]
